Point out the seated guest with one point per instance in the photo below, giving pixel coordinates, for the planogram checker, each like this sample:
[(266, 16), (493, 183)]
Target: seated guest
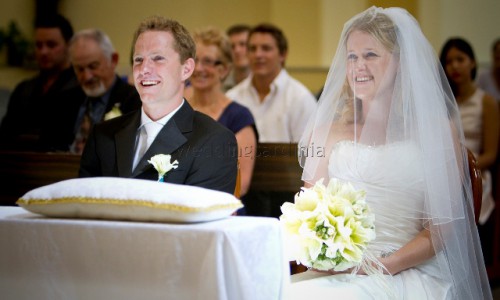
[(238, 36), (489, 80), (213, 63), (28, 104), (280, 104), (94, 61), (479, 115), (205, 151)]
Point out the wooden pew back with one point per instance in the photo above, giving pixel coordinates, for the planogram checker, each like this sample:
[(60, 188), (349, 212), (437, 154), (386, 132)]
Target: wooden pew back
[(21, 172), (276, 168)]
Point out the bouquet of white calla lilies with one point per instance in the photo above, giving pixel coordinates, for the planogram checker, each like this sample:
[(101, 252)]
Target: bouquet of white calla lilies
[(162, 164), (328, 227)]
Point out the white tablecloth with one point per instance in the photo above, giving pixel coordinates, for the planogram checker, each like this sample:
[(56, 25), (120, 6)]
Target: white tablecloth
[(234, 258)]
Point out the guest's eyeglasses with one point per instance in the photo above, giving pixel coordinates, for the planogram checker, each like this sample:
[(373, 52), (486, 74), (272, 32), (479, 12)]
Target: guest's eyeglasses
[(207, 62)]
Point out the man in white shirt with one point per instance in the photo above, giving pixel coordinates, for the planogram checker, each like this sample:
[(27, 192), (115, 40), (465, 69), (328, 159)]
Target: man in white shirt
[(280, 104)]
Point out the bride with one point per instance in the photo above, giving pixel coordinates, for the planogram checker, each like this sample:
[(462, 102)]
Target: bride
[(388, 123)]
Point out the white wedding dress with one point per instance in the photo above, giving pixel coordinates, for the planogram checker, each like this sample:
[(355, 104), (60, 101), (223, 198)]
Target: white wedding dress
[(392, 177)]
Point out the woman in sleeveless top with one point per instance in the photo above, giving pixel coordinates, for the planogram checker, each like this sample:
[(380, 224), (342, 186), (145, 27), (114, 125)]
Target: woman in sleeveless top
[(213, 63), (479, 115)]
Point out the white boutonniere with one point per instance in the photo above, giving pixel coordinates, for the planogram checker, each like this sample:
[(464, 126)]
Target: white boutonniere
[(113, 113), (162, 164)]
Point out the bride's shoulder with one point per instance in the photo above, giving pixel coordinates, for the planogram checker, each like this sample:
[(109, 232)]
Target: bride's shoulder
[(329, 135), (341, 132), (346, 127)]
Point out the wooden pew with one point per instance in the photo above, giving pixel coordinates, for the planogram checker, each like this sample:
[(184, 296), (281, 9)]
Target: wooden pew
[(276, 168), (493, 268), (21, 172), (276, 179)]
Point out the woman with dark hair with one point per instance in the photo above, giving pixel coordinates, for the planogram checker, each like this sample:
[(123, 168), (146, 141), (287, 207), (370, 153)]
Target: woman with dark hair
[(479, 115)]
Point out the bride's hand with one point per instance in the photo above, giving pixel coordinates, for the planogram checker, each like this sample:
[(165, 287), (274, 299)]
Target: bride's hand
[(382, 260), (332, 272)]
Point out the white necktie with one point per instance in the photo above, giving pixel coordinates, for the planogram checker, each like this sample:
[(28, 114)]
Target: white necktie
[(146, 138)]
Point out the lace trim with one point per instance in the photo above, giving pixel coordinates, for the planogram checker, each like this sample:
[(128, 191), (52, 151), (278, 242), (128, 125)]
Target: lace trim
[(351, 143)]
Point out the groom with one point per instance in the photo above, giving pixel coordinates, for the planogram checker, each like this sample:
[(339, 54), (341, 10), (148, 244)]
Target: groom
[(205, 150)]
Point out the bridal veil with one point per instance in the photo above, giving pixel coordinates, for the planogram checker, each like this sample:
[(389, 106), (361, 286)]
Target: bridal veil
[(412, 102)]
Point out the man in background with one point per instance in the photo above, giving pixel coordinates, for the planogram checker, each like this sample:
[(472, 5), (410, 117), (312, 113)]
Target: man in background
[(280, 104), (30, 102), (94, 60), (238, 36)]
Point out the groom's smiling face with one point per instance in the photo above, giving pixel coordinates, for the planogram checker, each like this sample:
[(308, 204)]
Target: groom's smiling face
[(159, 74)]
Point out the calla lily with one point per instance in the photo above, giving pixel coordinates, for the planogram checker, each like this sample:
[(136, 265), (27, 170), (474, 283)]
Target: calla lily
[(162, 164)]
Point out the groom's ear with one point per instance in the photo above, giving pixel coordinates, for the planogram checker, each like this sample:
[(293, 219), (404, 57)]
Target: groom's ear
[(188, 68)]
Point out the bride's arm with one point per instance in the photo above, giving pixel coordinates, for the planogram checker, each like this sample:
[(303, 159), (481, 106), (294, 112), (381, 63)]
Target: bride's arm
[(421, 247), (415, 252)]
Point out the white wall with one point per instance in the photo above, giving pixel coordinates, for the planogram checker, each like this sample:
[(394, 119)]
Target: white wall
[(478, 21), (313, 27)]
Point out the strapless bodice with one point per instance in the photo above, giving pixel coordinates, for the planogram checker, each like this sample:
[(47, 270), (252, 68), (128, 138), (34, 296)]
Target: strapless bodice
[(392, 177)]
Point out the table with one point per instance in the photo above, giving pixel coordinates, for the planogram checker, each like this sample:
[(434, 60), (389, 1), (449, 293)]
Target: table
[(48, 258)]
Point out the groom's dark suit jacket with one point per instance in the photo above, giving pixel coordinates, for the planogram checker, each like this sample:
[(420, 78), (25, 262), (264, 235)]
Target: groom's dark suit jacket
[(206, 151)]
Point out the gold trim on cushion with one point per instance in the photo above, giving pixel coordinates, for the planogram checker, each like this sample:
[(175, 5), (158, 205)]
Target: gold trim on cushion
[(144, 203)]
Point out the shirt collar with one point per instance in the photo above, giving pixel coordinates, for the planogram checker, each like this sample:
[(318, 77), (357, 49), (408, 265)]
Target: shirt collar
[(145, 119), (277, 84), (280, 80)]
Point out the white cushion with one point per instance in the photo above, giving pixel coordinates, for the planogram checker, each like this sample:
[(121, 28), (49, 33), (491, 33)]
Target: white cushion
[(129, 199)]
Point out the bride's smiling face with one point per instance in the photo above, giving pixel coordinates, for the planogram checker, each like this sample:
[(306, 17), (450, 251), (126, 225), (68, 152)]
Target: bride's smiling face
[(370, 66)]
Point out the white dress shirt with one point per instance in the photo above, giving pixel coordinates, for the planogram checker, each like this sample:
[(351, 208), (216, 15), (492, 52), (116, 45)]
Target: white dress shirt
[(283, 114), (147, 132)]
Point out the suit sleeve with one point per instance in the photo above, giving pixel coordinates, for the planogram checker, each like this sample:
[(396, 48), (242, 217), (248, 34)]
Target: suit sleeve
[(216, 168)]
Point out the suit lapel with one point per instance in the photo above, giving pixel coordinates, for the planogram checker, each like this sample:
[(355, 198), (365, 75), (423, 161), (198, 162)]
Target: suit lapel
[(125, 144), (169, 139)]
